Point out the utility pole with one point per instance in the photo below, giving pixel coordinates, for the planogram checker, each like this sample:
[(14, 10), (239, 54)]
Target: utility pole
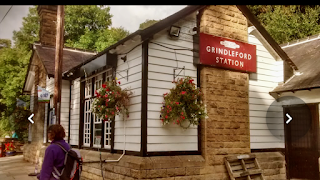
[(58, 63)]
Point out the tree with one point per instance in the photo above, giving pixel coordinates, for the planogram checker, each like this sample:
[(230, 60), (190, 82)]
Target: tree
[(86, 27), (148, 23), (109, 37), (84, 24), (5, 43), (29, 32), (288, 22)]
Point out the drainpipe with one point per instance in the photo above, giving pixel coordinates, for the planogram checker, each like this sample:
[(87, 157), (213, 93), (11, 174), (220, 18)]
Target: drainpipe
[(69, 111), (123, 152)]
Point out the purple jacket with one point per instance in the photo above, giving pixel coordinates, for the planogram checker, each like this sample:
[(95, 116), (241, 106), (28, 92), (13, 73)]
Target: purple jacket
[(54, 156)]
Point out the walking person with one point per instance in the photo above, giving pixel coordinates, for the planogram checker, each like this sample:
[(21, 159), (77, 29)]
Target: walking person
[(54, 155)]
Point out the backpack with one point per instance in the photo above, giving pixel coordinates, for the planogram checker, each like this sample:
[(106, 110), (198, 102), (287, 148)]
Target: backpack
[(72, 165)]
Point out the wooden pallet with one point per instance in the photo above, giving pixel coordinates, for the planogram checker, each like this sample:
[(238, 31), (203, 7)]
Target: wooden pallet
[(243, 167)]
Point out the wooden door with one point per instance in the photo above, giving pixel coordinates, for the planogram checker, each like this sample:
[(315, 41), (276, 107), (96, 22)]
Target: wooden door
[(301, 141)]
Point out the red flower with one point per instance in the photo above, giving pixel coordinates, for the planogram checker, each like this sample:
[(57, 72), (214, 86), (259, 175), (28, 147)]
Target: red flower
[(191, 80), (106, 95), (117, 108), (112, 113), (166, 116), (162, 120), (182, 117), (119, 82), (106, 116), (165, 94), (104, 86), (108, 89), (183, 92), (112, 92), (177, 102), (181, 113)]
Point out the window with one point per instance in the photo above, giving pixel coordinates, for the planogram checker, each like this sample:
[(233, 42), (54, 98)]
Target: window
[(94, 128)]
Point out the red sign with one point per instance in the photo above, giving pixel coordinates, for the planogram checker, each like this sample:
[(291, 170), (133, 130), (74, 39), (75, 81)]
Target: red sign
[(227, 53)]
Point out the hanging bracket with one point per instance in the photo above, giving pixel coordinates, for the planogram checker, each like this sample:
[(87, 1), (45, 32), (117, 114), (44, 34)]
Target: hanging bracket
[(122, 76), (174, 72)]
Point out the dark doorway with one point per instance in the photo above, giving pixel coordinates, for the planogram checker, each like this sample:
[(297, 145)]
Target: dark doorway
[(301, 140)]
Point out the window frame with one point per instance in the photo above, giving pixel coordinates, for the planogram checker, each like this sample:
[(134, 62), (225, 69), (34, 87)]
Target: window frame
[(107, 140)]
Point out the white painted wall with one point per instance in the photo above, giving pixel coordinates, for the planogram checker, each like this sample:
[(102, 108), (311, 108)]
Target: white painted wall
[(74, 113), (269, 73), (133, 123), (65, 94), (162, 61)]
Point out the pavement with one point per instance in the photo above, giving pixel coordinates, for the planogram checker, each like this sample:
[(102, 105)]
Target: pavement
[(14, 167)]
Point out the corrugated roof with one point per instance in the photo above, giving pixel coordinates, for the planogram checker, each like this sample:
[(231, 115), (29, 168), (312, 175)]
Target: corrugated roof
[(71, 58), (306, 56)]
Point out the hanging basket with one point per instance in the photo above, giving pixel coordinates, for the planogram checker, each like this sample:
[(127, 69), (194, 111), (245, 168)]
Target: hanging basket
[(183, 104), (111, 100)]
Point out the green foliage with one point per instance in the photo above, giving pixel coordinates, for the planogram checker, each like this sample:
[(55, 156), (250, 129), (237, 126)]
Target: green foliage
[(86, 27), (85, 20), (183, 104), (5, 125), (109, 37), (5, 43), (111, 100), (12, 75), (19, 120), (148, 23), (29, 32), (288, 22)]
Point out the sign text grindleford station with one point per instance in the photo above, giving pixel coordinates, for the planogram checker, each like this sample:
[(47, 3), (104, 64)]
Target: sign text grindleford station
[(227, 53)]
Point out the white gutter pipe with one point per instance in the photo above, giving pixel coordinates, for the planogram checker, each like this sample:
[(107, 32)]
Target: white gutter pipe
[(124, 145)]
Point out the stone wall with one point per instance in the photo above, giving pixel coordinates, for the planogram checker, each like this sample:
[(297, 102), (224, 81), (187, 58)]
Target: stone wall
[(39, 108), (226, 130), (181, 167)]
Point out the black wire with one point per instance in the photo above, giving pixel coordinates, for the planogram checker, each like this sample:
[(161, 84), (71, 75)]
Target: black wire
[(130, 50), (172, 48), (5, 14)]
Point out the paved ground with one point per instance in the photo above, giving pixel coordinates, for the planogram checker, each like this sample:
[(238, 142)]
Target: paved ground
[(15, 167)]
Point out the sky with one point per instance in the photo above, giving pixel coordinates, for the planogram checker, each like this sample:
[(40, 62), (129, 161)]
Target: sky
[(129, 17)]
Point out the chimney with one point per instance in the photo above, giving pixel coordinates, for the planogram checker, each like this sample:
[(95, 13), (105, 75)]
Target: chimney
[(48, 20)]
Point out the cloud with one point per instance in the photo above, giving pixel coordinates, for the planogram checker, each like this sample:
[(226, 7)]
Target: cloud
[(13, 20), (130, 17)]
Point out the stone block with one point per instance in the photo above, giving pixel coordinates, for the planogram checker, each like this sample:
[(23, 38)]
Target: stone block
[(156, 173), (192, 171)]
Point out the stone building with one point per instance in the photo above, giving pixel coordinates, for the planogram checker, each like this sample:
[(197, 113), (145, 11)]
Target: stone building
[(147, 61), (41, 73)]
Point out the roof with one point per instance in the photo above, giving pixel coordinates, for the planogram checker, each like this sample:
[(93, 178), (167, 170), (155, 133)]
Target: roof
[(306, 55), (71, 57), (254, 21), (151, 30)]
